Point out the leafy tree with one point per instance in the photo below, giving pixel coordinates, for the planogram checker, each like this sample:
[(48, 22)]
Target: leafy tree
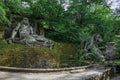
[(3, 19), (77, 24)]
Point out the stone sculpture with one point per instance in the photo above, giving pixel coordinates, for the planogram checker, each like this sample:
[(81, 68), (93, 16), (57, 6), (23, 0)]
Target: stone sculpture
[(110, 51), (92, 46), (23, 33)]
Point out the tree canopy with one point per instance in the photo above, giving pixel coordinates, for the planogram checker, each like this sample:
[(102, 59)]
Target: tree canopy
[(79, 22)]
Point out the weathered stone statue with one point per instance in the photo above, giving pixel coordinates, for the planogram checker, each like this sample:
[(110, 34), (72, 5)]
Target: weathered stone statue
[(92, 46), (110, 51), (23, 33)]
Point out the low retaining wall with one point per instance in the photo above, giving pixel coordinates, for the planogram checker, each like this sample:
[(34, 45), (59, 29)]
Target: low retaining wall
[(108, 74), (90, 72), (31, 70)]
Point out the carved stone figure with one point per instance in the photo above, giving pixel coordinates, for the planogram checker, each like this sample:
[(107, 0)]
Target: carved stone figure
[(27, 36), (92, 46), (110, 51)]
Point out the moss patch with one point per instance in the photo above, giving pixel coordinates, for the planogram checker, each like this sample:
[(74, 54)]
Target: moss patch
[(18, 55)]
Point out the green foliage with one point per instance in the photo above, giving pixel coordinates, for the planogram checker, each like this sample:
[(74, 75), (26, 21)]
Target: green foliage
[(83, 18), (81, 21), (3, 19), (78, 23), (94, 18)]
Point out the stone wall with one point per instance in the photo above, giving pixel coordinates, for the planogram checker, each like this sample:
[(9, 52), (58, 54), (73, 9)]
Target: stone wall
[(106, 75), (81, 73)]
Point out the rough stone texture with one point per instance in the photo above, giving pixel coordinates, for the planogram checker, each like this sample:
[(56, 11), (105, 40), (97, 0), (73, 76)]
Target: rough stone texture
[(116, 77), (23, 33), (93, 47), (96, 73)]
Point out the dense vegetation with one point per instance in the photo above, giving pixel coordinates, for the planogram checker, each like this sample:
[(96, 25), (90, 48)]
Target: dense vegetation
[(76, 25)]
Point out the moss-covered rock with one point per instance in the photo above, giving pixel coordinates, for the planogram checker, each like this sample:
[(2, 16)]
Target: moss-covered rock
[(34, 56)]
